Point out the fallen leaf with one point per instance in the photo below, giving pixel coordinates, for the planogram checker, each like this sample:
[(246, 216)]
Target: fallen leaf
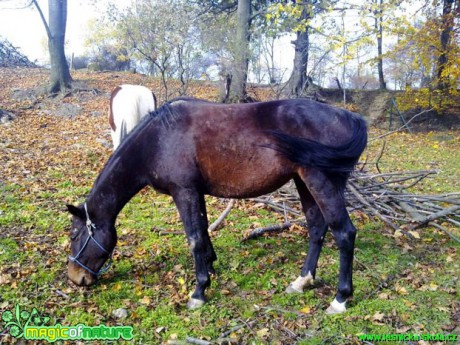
[(305, 310), (384, 295), (263, 333), (5, 279), (398, 233), (415, 234), (377, 317), (401, 290), (145, 300), (433, 286)]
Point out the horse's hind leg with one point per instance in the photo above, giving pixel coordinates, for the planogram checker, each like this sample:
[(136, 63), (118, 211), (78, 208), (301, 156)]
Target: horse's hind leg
[(327, 190), (210, 253), (192, 210), (317, 228)]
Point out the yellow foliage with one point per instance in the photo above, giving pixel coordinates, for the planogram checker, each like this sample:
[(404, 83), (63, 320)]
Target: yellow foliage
[(426, 98)]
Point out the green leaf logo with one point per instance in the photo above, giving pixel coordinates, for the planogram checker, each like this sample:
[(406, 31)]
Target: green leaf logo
[(15, 321)]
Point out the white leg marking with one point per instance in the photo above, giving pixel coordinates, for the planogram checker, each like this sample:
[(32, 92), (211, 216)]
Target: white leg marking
[(297, 285), (336, 307), (194, 303)]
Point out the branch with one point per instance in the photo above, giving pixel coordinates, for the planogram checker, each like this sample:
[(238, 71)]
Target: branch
[(436, 215), (222, 216), (371, 208), (272, 228), (402, 127), (190, 340), (48, 32)]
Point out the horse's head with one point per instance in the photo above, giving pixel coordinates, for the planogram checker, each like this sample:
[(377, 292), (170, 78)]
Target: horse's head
[(91, 246)]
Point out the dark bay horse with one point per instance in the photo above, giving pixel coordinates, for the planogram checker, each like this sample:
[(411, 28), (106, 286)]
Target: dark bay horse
[(189, 148)]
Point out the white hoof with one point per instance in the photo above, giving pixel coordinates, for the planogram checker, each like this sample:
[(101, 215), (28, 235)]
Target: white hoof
[(297, 285), (336, 308), (292, 289), (194, 303)]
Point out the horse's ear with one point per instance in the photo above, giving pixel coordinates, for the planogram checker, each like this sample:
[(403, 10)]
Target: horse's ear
[(76, 211)]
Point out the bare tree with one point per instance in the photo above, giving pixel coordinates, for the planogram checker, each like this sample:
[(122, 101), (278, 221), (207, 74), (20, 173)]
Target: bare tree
[(60, 79), (378, 17), (299, 77), (240, 73), (447, 26)]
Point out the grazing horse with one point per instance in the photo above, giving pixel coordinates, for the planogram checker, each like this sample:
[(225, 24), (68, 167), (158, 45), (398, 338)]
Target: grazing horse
[(128, 105), (189, 148)]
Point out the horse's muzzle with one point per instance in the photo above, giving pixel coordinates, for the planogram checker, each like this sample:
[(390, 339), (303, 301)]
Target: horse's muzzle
[(80, 276)]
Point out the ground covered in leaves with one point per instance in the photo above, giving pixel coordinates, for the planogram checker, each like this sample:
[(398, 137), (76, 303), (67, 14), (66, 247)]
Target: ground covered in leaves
[(51, 153)]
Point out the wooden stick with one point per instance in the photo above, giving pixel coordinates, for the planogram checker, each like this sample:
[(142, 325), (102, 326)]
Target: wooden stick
[(222, 216), (372, 209), (260, 231), (436, 215), (60, 293), (402, 127), (190, 340), (440, 227), (276, 207)]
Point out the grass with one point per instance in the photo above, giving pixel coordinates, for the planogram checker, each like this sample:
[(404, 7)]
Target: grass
[(397, 289), (402, 285)]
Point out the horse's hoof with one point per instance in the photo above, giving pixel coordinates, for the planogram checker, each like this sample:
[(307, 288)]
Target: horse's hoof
[(194, 303), (336, 308), (297, 285), (292, 289)]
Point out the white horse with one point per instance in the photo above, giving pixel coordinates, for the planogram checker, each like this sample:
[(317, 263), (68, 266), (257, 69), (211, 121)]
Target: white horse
[(128, 105)]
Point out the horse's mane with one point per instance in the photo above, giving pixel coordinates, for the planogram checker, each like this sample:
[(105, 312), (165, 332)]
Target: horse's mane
[(166, 116)]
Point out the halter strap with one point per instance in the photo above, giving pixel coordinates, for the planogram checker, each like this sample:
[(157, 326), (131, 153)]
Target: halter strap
[(90, 226)]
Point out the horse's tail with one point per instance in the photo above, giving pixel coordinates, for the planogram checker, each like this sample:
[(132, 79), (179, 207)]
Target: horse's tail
[(306, 152)]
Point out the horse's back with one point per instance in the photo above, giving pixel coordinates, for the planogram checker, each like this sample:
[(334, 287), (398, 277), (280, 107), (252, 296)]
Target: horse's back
[(302, 118), (234, 146)]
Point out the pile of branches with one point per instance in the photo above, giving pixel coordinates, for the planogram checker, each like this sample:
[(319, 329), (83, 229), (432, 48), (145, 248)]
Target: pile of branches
[(381, 195), (10, 56)]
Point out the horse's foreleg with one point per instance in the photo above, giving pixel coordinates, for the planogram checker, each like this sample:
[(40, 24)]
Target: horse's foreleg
[(191, 206), (328, 194), (317, 228)]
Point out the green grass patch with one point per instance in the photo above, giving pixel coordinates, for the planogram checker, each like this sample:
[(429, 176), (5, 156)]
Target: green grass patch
[(401, 285)]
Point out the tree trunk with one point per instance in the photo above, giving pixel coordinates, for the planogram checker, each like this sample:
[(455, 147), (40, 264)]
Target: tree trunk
[(60, 79), (299, 80), (447, 27), (240, 70), (379, 28)]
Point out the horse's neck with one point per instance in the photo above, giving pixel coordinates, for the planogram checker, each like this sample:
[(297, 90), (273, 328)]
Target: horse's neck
[(115, 186)]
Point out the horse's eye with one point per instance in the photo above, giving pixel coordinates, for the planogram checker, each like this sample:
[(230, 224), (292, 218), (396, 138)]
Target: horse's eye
[(74, 233)]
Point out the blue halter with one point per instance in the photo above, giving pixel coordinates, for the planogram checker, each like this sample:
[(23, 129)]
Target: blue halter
[(90, 226)]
